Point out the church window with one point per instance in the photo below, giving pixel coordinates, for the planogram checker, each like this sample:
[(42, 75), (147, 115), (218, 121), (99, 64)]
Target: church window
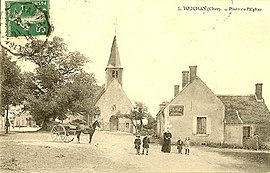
[(201, 125), (114, 107), (127, 125), (115, 74)]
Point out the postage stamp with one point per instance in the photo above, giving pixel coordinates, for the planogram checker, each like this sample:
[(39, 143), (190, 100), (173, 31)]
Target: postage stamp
[(22, 21)]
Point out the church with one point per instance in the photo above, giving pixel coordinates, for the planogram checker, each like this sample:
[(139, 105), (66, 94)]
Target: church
[(112, 100)]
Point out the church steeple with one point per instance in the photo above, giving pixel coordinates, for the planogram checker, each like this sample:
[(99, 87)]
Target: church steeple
[(114, 59), (114, 70)]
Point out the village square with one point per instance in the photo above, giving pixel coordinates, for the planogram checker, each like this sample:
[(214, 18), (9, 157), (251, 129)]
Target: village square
[(59, 115), (207, 119)]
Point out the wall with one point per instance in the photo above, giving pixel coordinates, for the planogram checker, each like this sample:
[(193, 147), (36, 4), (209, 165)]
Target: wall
[(124, 127), (198, 100), (114, 95), (160, 125), (234, 134)]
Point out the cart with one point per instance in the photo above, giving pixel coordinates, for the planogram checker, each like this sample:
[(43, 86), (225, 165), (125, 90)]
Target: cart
[(63, 133)]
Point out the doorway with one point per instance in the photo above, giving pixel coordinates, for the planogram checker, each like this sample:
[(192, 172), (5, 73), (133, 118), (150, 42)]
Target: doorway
[(114, 122)]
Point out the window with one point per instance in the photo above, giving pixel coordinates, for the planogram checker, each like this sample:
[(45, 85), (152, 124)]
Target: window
[(115, 74), (114, 107), (201, 125), (247, 132), (127, 125)]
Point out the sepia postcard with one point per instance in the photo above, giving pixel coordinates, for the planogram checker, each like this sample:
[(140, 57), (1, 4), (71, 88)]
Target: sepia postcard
[(134, 86)]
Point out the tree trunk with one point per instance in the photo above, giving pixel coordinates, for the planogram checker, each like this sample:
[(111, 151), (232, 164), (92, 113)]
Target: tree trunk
[(46, 125), (6, 123), (141, 125)]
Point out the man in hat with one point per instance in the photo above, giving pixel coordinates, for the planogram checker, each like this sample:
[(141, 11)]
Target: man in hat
[(146, 141), (137, 143)]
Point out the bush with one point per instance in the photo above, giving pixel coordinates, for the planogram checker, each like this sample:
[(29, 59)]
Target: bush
[(223, 145)]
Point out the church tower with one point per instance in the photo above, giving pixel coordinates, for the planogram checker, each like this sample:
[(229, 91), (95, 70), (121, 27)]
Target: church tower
[(114, 71), (112, 100)]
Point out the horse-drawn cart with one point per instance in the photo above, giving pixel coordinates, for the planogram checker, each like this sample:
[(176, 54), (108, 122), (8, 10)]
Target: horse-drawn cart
[(67, 132), (63, 133)]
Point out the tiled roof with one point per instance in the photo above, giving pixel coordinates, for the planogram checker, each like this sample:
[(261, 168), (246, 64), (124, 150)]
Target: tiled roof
[(244, 109)]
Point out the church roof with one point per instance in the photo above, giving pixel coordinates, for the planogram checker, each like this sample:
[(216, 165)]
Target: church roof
[(100, 93), (113, 89), (114, 59), (244, 109)]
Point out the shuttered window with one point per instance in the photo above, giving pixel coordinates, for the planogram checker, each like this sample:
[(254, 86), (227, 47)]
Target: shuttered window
[(201, 125)]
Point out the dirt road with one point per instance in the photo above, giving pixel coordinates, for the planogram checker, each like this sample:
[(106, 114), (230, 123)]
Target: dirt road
[(113, 152)]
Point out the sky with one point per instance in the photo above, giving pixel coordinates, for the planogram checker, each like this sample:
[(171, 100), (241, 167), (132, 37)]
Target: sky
[(157, 42)]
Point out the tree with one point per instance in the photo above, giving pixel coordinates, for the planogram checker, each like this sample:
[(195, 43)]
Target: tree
[(139, 113), (11, 83), (58, 85)]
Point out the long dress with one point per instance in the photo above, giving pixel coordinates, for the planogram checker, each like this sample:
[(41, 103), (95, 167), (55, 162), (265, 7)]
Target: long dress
[(166, 146)]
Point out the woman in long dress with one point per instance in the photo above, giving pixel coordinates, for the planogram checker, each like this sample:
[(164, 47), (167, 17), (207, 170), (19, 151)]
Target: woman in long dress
[(166, 146)]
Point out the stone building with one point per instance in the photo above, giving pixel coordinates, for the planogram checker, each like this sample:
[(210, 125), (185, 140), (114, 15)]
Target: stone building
[(197, 112), (112, 100), (24, 119)]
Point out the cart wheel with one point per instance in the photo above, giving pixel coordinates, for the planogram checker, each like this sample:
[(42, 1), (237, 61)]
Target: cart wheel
[(68, 138), (58, 133)]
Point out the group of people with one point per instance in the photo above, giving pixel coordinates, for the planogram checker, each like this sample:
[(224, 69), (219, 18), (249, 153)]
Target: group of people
[(183, 145), (180, 144), (166, 145), (145, 144)]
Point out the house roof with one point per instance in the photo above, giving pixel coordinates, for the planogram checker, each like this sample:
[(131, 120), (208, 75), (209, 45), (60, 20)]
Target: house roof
[(114, 60), (244, 109), (101, 92)]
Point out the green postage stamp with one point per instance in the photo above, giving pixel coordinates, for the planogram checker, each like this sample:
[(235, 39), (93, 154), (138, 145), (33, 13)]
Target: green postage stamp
[(27, 18), (22, 21)]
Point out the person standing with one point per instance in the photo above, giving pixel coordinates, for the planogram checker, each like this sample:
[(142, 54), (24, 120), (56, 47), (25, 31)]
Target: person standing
[(257, 141), (187, 145), (137, 143), (7, 125), (166, 147), (180, 144), (78, 132), (146, 141)]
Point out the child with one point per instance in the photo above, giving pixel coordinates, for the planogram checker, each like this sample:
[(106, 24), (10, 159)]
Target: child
[(180, 144), (187, 145), (146, 141), (137, 143)]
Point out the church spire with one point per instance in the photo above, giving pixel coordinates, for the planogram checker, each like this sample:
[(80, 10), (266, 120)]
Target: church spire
[(114, 69), (114, 59)]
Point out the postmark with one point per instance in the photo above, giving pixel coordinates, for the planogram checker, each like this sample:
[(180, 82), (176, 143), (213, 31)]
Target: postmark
[(23, 21)]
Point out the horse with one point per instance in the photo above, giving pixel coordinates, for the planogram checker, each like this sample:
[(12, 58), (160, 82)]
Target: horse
[(87, 130)]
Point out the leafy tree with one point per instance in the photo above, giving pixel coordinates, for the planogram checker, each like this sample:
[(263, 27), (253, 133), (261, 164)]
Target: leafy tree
[(11, 83), (58, 84), (139, 113)]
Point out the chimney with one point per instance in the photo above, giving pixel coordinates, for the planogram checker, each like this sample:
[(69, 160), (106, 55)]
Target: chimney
[(176, 90), (185, 78), (258, 91), (192, 73)]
